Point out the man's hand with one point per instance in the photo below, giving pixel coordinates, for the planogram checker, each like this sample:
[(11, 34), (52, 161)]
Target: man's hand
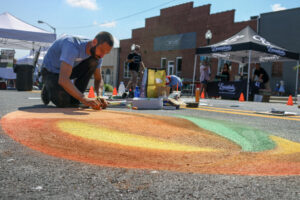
[(94, 103), (103, 102)]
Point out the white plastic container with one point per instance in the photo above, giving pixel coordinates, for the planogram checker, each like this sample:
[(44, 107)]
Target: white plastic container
[(148, 103), (121, 88)]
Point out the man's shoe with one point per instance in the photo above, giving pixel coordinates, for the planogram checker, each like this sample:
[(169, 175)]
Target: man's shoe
[(45, 96)]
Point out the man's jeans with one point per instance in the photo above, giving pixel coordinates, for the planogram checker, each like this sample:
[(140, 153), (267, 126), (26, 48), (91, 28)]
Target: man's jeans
[(81, 74)]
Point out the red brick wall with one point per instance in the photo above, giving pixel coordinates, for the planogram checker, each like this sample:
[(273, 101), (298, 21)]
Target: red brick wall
[(180, 19)]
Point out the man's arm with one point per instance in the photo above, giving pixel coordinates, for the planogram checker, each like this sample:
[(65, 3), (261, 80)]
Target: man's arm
[(99, 86), (130, 58), (98, 82), (65, 82), (143, 66)]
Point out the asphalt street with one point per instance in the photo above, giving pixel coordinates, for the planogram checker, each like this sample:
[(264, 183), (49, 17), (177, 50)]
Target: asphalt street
[(29, 174)]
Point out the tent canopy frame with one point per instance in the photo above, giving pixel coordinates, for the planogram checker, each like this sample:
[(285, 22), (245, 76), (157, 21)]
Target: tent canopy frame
[(247, 47)]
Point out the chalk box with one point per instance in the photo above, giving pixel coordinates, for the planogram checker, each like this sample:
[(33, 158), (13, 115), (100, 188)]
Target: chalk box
[(148, 103)]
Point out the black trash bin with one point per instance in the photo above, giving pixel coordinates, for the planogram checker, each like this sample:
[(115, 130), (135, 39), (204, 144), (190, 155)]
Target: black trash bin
[(24, 80)]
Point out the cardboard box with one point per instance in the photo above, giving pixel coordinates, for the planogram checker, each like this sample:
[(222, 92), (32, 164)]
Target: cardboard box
[(163, 91)]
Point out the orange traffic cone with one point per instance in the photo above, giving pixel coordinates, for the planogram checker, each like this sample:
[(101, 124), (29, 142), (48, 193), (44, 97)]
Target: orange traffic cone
[(290, 101), (115, 92), (91, 93), (202, 95), (242, 97)]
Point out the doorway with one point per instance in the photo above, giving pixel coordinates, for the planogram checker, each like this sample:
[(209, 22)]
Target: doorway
[(170, 70)]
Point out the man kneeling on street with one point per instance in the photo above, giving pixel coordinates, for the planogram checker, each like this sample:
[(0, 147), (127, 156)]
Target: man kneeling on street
[(64, 82)]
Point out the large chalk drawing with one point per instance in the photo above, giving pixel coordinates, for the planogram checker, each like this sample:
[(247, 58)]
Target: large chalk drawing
[(177, 143)]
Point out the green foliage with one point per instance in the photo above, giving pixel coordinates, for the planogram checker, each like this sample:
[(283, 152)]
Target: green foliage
[(108, 88)]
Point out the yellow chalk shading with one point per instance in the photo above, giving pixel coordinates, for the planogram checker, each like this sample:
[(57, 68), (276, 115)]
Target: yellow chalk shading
[(285, 146), (88, 131)]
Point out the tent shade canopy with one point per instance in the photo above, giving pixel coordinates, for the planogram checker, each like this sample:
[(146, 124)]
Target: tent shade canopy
[(14, 33), (236, 49), (247, 47)]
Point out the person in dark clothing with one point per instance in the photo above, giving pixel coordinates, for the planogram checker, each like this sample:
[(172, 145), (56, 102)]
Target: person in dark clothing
[(136, 67), (261, 76), (225, 73), (64, 82)]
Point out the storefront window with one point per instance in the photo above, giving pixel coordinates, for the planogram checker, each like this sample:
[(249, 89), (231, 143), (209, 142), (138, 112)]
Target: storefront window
[(178, 66), (108, 76), (163, 62), (126, 70), (243, 69), (277, 69), (220, 66), (170, 70)]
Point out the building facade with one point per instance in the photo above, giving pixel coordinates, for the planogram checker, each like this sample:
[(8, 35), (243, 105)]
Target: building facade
[(170, 39), (284, 33), (110, 67)]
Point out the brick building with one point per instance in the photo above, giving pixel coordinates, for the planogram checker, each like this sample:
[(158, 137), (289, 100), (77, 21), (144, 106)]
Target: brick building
[(169, 40)]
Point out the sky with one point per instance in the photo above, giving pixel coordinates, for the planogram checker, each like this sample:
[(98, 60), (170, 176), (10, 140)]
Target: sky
[(88, 17)]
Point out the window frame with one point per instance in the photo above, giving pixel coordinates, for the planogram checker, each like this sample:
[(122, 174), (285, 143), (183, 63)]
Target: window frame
[(178, 73), (126, 73), (161, 62)]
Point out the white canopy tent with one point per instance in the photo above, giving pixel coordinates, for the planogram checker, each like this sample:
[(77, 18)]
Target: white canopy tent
[(247, 47), (17, 34)]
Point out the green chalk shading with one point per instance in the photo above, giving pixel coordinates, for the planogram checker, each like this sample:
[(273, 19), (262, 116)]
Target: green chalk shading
[(250, 140)]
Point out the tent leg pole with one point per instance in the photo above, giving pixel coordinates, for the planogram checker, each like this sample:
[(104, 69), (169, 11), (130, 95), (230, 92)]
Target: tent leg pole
[(248, 80), (194, 74), (297, 77)]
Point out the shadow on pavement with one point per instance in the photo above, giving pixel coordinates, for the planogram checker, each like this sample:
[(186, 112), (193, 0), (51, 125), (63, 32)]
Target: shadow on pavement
[(53, 109)]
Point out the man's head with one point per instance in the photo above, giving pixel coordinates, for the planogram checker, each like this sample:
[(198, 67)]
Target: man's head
[(205, 61), (168, 80), (101, 44), (137, 48), (257, 66)]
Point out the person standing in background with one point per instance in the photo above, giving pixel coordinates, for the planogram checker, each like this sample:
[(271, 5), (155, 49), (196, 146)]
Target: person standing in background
[(136, 67), (225, 73), (261, 76), (204, 76)]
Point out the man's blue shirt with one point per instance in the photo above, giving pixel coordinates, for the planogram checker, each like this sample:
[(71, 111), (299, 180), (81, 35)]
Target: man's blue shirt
[(68, 49), (175, 80)]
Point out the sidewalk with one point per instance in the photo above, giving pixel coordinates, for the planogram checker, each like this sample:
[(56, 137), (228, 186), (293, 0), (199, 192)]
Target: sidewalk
[(250, 105)]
